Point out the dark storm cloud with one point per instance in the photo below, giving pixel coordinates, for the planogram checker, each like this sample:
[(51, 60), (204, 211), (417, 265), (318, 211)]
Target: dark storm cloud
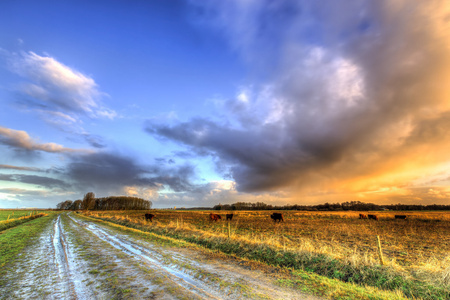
[(351, 90), (241, 149), (110, 172), (42, 181)]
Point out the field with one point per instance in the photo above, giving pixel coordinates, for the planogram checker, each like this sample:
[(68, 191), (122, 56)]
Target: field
[(183, 255), (417, 248), (420, 240), (15, 213)]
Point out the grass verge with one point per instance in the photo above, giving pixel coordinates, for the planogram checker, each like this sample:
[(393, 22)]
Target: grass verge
[(299, 279), (13, 240), (15, 222)]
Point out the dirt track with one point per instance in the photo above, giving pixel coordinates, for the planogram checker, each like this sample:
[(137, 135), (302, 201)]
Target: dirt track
[(79, 259)]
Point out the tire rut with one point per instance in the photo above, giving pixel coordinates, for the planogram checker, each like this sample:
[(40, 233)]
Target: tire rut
[(61, 261), (44, 269), (153, 260)]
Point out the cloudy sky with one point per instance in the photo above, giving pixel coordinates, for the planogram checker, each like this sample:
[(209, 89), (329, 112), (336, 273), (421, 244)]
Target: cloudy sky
[(200, 102)]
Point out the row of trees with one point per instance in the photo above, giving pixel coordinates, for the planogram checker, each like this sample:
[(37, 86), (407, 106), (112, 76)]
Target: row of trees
[(89, 202), (353, 205)]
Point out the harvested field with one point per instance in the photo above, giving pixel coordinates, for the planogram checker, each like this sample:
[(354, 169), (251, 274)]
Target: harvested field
[(422, 238)]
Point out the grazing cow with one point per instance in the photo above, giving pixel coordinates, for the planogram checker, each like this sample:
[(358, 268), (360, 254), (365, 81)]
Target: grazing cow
[(400, 217), (149, 217), (375, 217), (277, 217), (229, 217), (362, 216), (214, 217)]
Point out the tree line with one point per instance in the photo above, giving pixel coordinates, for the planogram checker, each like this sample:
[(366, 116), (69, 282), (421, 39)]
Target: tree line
[(89, 202), (353, 205)]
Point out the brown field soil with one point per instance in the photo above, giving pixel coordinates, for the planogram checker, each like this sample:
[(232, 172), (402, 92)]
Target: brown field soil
[(419, 244)]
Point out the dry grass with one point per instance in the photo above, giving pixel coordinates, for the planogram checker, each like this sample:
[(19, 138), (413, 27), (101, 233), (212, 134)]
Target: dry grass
[(417, 247)]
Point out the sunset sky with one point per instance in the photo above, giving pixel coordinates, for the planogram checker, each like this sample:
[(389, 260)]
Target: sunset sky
[(195, 103)]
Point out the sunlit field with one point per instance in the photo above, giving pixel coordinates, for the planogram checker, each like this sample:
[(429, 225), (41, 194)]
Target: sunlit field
[(417, 247), (14, 213), (422, 238)]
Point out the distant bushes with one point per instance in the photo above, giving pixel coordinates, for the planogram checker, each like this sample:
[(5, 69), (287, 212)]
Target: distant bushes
[(89, 202), (353, 205)]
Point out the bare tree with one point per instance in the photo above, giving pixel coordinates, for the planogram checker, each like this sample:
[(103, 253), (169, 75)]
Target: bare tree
[(89, 201)]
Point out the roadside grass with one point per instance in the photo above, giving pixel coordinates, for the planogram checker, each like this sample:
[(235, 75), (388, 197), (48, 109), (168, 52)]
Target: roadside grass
[(14, 240), (6, 214), (9, 223), (297, 278)]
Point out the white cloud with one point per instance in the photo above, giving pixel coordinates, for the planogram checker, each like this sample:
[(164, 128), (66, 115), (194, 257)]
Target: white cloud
[(58, 87), (21, 140), (141, 192)]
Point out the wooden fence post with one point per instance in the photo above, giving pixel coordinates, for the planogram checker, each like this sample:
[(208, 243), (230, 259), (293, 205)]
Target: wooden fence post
[(380, 252), (229, 230)]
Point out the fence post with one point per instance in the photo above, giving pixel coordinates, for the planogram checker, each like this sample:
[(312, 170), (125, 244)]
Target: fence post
[(229, 230), (380, 252), (177, 222)]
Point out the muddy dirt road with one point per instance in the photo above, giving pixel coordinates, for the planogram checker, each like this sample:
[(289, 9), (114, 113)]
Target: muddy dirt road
[(79, 259)]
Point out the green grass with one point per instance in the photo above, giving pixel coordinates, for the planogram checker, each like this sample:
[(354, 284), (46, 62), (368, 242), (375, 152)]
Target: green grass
[(13, 240), (5, 224), (298, 279), (14, 214)]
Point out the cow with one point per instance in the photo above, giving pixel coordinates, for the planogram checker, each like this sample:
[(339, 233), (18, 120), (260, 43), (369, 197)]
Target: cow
[(402, 217), (375, 217), (277, 217), (214, 217), (149, 217), (362, 216), (229, 217)]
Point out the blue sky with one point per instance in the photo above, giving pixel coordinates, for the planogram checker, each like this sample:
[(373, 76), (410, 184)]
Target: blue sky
[(195, 103)]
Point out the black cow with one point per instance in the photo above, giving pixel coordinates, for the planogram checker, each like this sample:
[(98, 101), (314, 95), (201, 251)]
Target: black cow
[(149, 217), (229, 217), (402, 217), (277, 217), (374, 217)]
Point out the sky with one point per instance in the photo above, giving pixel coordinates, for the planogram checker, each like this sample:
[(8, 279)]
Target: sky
[(200, 102)]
